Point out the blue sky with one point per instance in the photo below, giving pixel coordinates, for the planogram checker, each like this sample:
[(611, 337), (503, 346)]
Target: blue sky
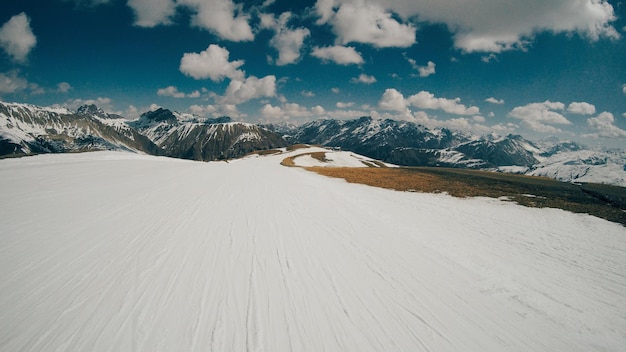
[(534, 68)]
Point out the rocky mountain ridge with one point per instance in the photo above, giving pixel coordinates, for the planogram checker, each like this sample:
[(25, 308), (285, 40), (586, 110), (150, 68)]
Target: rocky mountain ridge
[(28, 129)]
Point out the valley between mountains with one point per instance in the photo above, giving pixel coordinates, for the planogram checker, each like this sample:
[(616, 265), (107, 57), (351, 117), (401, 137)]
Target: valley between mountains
[(118, 251)]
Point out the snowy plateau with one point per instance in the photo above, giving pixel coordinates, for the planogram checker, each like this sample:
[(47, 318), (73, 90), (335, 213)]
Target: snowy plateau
[(114, 251)]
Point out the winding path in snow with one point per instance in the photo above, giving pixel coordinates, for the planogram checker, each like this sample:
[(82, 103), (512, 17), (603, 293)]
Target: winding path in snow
[(121, 252)]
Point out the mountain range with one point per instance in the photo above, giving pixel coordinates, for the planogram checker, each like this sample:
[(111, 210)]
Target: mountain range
[(27, 129)]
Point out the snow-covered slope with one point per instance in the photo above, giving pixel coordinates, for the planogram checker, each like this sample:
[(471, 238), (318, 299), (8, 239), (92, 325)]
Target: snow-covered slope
[(116, 251), (584, 166)]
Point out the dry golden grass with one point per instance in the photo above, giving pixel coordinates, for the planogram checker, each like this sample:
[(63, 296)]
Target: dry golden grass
[(390, 178), (608, 202), (321, 156), (288, 162)]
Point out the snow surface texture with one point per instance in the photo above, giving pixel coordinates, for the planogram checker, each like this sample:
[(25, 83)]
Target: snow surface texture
[(334, 159), (113, 251)]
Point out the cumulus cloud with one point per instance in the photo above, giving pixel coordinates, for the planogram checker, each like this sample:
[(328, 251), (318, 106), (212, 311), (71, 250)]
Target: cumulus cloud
[(343, 105), (365, 22), (222, 17), (240, 91), (63, 87), (307, 93), (151, 13), (363, 78), (485, 25), (604, 125), (216, 110), (341, 55), (17, 38), (624, 88), (288, 42), (581, 108), (427, 70), (211, 63), (290, 111), (11, 82), (172, 91), (541, 117), (427, 100), (493, 100), (392, 99)]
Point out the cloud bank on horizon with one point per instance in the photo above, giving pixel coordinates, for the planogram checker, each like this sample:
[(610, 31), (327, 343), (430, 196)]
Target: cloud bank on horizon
[(534, 67)]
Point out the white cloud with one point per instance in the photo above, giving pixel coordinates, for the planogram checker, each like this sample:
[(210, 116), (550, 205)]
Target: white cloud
[(64, 87), (427, 70), (343, 105), (17, 38), (335, 90), (290, 111), (490, 25), (151, 13), (341, 55), (427, 100), (479, 118), (581, 108), (365, 22), (541, 116), (363, 78), (605, 127), (624, 88), (287, 41), (393, 100), (11, 82), (36, 89), (211, 63), (216, 110), (493, 100), (222, 17), (172, 91), (307, 93), (240, 91)]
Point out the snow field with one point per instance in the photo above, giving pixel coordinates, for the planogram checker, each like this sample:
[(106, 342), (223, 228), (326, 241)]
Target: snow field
[(121, 252)]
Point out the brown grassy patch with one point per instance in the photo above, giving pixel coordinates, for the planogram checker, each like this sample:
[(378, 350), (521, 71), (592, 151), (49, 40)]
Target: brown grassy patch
[(321, 156), (288, 161), (608, 202)]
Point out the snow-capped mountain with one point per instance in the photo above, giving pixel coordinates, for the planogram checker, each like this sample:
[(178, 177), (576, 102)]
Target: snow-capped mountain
[(190, 137), (595, 166), (410, 144), (29, 129), (376, 138)]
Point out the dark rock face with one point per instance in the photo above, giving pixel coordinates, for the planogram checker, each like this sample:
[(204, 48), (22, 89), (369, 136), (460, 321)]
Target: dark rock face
[(219, 141)]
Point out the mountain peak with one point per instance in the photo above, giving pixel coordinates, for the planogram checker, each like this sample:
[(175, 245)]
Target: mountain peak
[(159, 115), (90, 109)]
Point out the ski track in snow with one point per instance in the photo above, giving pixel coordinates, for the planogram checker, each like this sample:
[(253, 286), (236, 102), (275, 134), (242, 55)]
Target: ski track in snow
[(119, 252)]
